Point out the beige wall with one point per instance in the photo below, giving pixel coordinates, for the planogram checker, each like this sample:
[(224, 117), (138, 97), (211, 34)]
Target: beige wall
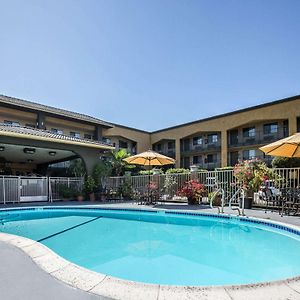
[(17, 115), (142, 138)]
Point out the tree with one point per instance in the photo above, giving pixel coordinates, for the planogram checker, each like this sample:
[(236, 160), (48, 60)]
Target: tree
[(119, 166)]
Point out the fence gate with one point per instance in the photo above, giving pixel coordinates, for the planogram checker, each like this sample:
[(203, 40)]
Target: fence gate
[(33, 189)]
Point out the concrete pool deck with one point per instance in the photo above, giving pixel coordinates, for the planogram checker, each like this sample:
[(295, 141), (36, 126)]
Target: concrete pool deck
[(20, 274)]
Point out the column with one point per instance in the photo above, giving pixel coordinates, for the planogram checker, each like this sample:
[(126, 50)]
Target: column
[(98, 133), (177, 152), (40, 121), (292, 125), (224, 148)]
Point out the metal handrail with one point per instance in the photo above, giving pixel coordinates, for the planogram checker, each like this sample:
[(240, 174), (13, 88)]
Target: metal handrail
[(240, 190), (222, 200)]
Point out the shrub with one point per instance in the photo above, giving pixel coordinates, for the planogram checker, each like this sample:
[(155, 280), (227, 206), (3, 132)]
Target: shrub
[(286, 162), (177, 171), (193, 190)]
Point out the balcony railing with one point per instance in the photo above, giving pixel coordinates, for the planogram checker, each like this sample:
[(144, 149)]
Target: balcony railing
[(202, 148), (169, 152), (259, 138)]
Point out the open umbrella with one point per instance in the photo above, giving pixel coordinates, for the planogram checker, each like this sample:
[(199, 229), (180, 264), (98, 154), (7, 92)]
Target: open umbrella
[(149, 158), (287, 147)]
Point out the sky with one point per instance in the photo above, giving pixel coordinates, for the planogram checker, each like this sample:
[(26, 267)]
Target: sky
[(150, 64)]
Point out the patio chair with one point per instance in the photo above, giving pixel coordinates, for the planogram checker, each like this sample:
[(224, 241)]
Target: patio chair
[(290, 201), (269, 197)]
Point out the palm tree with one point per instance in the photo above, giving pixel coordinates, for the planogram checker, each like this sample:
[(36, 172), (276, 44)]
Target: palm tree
[(118, 164)]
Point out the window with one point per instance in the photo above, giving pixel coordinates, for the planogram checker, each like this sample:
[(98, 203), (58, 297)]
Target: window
[(158, 147), (211, 158), (249, 154), (12, 123), (123, 144), (171, 145), (249, 132), (197, 140), (75, 134), (56, 131), (196, 159), (107, 140), (270, 128), (87, 136), (212, 138)]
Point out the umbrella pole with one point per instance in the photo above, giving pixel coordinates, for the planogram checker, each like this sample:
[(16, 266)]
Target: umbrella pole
[(149, 183)]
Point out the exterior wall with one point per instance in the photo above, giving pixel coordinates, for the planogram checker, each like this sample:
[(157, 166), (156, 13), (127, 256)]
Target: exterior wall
[(68, 126), (17, 115), (142, 138), (284, 112), (289, 110)]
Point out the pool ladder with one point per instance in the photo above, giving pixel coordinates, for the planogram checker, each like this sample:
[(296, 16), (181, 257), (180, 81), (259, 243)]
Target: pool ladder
[(220, 210), (241, 211)]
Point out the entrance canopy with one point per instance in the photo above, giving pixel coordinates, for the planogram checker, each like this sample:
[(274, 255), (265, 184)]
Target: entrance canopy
[(36, 147)]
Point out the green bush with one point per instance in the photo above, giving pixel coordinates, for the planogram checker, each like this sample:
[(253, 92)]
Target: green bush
[(177, 171), (66, 192), (89, 184), (285, 162)]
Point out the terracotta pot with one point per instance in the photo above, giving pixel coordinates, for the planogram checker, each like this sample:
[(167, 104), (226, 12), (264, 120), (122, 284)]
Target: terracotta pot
[(80, 198), (92, 197)]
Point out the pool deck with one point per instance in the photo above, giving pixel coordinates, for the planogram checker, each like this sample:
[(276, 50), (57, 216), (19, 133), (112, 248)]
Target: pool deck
[(30, 270)]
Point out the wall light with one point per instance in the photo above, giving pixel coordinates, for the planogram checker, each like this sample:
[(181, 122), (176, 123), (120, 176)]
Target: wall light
[(2, 148), (52, 153), (29, 150)]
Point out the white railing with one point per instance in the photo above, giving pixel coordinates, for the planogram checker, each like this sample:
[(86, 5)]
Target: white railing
[(16, 189), (213, 180)]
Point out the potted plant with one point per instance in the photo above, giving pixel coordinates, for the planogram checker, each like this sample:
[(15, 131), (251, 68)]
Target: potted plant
[(90, 186), (79, 196), (250, 175), (65, 192), (193, 190), (217, 200)]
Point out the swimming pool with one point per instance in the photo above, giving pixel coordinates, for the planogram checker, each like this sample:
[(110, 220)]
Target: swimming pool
[(163, 247)]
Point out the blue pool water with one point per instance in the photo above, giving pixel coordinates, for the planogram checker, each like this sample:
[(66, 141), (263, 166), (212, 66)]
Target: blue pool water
[(162, 248)]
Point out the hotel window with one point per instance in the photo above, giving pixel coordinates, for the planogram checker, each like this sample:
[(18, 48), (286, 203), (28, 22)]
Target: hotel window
[(12, 123), (270, 128), (171, 145), (123, 144), (158, 147), (211, 158), (198, 140), (249, 154), (87, 136), (249, 132), (75, 134), (196, 159), (56, 131), (212, 138)]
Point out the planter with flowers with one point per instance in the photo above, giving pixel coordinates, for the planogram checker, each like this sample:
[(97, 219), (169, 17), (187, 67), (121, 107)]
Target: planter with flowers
[(250, 175), (193, 190)]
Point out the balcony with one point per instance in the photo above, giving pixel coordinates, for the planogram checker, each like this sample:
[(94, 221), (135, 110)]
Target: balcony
[(209, 165), (168, 152), (260, 138), (213, 147)]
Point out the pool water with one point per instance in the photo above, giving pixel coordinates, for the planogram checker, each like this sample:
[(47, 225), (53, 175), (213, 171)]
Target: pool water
[(163, 249)]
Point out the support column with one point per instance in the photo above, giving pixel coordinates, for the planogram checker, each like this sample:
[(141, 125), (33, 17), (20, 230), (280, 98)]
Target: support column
[(177, 153), (224, 148), (40, 121), (98, 133), (292, 125)]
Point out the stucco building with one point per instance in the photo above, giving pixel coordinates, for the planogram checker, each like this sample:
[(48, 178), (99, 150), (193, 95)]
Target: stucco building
[(54, 135)]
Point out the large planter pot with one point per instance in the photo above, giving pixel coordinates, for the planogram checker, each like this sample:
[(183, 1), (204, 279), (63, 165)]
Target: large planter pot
[(192, 201), (80, 198), (248, 201), (92, 197)]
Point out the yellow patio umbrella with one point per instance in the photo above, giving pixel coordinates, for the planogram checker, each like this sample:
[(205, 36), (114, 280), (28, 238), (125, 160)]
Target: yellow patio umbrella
[(287, 147), (149, 158)]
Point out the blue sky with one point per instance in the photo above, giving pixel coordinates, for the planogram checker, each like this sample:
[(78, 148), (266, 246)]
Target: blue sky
[(150, 64)]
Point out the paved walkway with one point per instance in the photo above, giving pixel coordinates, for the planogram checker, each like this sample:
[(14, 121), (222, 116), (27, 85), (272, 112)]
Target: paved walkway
[(20, 278)]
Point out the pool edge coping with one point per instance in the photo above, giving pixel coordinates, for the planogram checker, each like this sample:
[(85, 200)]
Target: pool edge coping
[(116, 288)]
